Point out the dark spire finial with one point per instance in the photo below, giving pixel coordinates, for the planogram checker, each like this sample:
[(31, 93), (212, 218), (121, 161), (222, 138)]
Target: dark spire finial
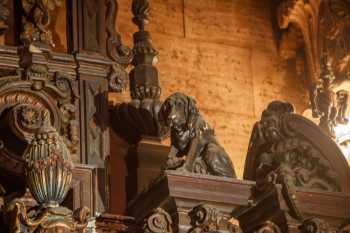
[(144, 83)]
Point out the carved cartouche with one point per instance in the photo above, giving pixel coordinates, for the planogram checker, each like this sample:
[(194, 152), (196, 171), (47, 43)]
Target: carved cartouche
[(192, 137)]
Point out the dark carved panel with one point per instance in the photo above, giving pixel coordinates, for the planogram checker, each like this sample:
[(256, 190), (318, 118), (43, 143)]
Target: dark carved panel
[(87, 30)]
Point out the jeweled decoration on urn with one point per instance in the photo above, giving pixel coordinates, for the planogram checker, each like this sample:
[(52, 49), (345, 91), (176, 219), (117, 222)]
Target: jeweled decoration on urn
[(48, 167)]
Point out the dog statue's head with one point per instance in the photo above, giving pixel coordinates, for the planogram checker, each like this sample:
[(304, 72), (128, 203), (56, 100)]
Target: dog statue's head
[(178, 113)]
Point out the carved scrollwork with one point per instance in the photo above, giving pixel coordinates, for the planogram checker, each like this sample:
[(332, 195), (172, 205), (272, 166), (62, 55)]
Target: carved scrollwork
[(61, 219), (316, 225), (120, 54), (159, 221), (268, 227), (281, 154), (207, 219), (141, 114)]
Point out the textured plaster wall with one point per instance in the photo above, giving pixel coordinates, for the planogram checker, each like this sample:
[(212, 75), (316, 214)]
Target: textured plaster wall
[(224, 54)]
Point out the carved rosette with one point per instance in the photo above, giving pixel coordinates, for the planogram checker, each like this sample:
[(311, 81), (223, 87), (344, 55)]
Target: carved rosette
[(158, 221)]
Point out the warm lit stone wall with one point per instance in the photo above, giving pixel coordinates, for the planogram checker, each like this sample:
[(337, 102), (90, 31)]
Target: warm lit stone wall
[(223, 53)]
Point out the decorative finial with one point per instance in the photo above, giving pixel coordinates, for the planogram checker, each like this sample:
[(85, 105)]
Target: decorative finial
[(144, 81)]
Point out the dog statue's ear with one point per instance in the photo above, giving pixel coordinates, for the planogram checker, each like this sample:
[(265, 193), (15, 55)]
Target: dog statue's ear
[(161, 114), (192, 112)]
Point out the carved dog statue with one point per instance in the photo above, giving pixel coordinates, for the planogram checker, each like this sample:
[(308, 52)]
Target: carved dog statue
[(194, 147)]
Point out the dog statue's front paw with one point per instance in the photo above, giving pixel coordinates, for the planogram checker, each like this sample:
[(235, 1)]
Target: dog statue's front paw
[(173, 163)]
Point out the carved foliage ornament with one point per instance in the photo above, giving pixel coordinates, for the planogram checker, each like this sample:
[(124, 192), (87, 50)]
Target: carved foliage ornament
[(20, 97), (281, 155), (36, 20)]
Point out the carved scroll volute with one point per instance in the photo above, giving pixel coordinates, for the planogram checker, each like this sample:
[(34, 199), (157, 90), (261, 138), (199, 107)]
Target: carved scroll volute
[(120, 54), (316, 225), (268, 227), (207, 219), (158, 221)]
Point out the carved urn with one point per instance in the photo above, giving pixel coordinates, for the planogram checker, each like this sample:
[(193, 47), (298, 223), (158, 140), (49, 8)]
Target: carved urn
[(48, 167)]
